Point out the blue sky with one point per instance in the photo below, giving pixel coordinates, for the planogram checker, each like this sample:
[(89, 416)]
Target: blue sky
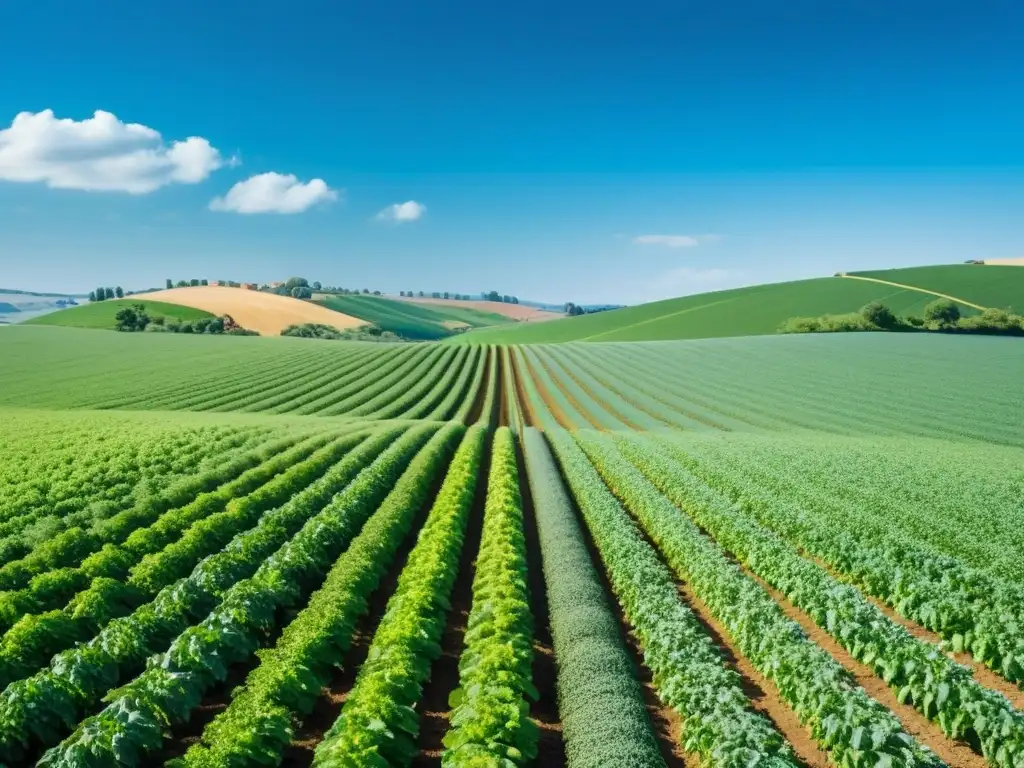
[(558, 151)]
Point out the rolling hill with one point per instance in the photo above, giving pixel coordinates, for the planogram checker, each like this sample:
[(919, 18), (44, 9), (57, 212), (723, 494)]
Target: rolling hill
[(267, 313), (411, 320), (101, 314), (759, 310)]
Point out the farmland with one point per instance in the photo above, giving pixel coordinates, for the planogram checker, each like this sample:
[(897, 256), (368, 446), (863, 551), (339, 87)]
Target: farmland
[(413, 321), (761, 309), (721, 552)]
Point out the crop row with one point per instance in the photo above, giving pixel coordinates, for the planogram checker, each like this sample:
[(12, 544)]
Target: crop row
[(377, 723), (79, 677), (174, 684), (604, 720), (917, 671), (974, 610), (843, 719), (258, 724), (490, 713), (689, 673)]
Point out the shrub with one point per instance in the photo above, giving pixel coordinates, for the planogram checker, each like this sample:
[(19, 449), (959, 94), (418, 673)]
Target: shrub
[(876, 313), (942, 312)]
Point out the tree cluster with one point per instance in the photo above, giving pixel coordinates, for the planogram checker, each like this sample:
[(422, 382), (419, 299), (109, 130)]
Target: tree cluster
[(136, 319), (940, 316), (193, 283), (103, 294), (320, 331), (484, 296)]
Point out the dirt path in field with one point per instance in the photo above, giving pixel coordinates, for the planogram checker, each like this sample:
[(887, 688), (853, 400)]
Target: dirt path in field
[(954, 753), (481, 396), (544, 711), (912, 288), (444, 673)]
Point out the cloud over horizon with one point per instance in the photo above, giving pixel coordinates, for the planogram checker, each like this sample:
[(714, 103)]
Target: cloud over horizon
[(402, 212), (675, 241), (100, 154), (274, 193)]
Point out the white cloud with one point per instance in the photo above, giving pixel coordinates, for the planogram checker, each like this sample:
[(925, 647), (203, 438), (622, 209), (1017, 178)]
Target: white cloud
[(401, 212), (100, 154), (274, 193), (675, 241)]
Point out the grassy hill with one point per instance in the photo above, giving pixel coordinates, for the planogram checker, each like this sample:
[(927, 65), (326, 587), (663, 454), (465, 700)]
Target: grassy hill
[(417, 322), (987, 285), (101, 314), (760, 309)]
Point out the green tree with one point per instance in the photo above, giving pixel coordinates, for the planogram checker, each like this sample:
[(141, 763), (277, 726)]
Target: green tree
[(92, 295), (876, 313), (170, 283), (204, 282), (108, 293), (942, 312), (316, 285), (296, 282), (119, 292)]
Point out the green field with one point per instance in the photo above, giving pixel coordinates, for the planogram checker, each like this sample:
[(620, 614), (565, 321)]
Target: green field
[(990, 286), (763, 551), (753, 311), (416, 322), (102, 314)]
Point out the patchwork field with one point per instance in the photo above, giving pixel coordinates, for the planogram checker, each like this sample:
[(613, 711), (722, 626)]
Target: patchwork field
[(412, 321), (761, 309), (759, 552), (266, 313)]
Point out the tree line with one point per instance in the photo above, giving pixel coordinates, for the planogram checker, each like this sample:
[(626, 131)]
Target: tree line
[(939, 316), (136, 318)]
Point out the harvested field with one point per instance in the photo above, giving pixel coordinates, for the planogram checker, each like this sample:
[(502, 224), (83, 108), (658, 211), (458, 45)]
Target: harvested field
[(267, 313)]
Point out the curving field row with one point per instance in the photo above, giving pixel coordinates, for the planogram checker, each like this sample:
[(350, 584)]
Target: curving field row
[(454, 555)]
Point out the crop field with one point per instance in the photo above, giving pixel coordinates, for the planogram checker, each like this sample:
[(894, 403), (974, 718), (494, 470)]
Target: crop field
[(734, 553), (418, 322)]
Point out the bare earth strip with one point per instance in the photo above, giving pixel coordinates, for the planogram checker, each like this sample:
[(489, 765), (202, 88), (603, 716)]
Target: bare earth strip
[(267, 313), (913, 288), (1017, 262), (515, 311)]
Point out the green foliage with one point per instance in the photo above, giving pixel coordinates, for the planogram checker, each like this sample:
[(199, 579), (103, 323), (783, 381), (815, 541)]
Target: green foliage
[(718, 722), (377, 721), (604, 720), (942, 313), (104, 314), (320, 331), (415, 322), (490, 718), (843, 719)]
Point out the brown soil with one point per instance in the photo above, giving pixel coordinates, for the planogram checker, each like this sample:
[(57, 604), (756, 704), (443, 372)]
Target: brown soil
[(444, 674), (267, 313), (184, 735), (518, 312), (529, 420), (764, 696), (501, 394), (954, 753), (481, 396), (979, 671), (311, 729), (572, 400), (544, 711), (552, 406)]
